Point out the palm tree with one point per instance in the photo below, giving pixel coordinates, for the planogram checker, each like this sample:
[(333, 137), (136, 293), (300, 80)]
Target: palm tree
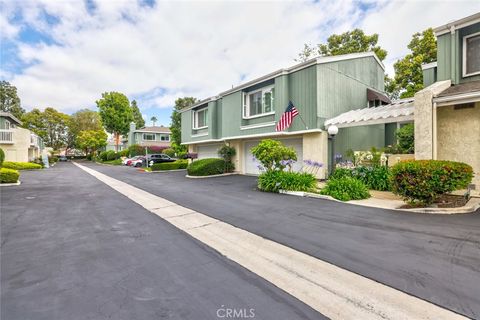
[(153, 119)]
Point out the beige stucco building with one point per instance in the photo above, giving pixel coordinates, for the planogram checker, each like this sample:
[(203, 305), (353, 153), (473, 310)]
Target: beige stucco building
[(18, 144)]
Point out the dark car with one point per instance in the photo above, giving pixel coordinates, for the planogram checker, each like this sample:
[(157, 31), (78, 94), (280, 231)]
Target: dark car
[(62, 158), (159, 158)]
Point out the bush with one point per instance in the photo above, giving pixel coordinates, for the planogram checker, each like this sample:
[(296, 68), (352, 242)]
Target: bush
[(116, 162), (424, 180), (123, 153), (273, 155), (21, 165), (346, 189), (375, 178), (179, 164), (103, 155), (275, 180), (52, 159), (112, 155), (2, 156), (89, 157), (169, 152), (208, 167), (137, 150), (8, 175), (406, 138)]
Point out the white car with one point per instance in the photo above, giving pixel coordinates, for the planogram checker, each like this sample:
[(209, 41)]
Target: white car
[(138, 162)]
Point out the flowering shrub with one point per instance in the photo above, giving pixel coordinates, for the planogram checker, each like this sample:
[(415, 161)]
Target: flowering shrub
[(374, 177), (346, 189), (312, 167), (423, 181), (273, 155)]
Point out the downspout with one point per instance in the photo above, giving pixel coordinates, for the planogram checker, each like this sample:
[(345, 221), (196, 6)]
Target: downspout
[(453, 45), (434, 131)]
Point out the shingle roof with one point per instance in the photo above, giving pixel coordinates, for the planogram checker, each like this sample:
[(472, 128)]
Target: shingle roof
[(467, 87), (397, 110), (11, 116), (160, 129)]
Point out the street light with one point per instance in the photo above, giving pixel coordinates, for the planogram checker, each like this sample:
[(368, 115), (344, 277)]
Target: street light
[(332, 132)]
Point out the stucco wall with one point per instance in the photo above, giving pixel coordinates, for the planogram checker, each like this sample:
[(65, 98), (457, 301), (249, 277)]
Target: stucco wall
[(18, 151), (458, 136), (315, 148)]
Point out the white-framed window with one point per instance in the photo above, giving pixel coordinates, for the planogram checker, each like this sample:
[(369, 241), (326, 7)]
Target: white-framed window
[(148, 137), (471, 54), (259, 103), (200, 118), (7, 125), (164, 137)]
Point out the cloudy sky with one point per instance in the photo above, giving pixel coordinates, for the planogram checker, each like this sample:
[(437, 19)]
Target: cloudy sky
[(65, 53)]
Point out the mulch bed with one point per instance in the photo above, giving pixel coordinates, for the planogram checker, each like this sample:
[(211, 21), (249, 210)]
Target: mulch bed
[(443, 201)]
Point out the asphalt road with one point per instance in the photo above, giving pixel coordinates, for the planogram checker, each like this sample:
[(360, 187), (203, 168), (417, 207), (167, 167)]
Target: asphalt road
[(433, 257), (73, 248)]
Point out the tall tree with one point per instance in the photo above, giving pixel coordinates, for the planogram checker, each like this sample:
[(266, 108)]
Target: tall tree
[(153, 119), (51, 125), (137, 115), (9, 100), (82, 120), (176, 125), (116, 114), (408, 71), (348, 42), (91, 140)]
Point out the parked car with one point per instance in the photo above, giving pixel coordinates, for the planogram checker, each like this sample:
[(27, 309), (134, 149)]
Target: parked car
[(159, 158), (127, 161), (62, 158), (140, 161)]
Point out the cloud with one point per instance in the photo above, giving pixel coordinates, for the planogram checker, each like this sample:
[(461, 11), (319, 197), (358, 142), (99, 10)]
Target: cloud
[(158, 53)]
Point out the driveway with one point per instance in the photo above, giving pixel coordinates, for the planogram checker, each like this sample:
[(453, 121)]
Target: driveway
[(72, 248), (433, 257)]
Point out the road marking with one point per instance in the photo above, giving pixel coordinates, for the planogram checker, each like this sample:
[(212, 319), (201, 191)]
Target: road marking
[(332, 291)]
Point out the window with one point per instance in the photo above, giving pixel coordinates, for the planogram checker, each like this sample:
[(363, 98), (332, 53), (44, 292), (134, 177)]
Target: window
[(7, 125), (258, 103), (165, 137), (471, 55), (200, 118), (149, 136)]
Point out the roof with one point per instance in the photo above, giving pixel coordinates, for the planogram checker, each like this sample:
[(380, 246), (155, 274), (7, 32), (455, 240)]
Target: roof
[(157, 129), (460, 93), (400, 110), (11, 116), (294, 68), (457, 24), (467, 87)]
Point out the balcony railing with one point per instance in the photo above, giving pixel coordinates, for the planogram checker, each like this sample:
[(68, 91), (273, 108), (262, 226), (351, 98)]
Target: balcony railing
[(6, 136)]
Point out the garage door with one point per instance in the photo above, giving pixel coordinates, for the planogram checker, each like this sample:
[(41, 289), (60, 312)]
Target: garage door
[(251, 167), (208, 151)]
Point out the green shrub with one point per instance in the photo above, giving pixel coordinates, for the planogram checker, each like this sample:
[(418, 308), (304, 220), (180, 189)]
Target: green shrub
[(103, 155), (273, 155), (374, 177), (208, 167), (340, 173), (8, 175), (346, 189), (406, 138), (52, 159), (424, 180), (112, 155), (2, 156), (179, 164), (89, 157), (275, 180), (169, 152), (116, 162), (123, 153), (21, 165)]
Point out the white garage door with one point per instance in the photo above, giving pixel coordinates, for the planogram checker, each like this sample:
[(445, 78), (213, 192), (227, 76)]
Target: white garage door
[(251, 167), (209, 151)]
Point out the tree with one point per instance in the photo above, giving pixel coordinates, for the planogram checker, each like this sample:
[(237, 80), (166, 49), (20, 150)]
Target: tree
[(176, 125), (82, 120), (137, 115), (116, 114), (408, 71), (50, 125), (91, 140), (153, 119), (9, 100), (348, 42)]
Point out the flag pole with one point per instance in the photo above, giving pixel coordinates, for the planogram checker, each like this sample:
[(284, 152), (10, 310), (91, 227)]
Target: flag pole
[(306, 127)]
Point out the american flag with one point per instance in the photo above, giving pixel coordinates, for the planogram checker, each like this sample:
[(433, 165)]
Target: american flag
[(287, 117)]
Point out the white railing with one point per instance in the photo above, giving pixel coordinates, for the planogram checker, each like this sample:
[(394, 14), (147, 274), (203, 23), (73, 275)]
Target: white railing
[(6, 136)]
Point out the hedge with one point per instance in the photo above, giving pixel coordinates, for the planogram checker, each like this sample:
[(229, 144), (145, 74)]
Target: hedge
[(424, 180), (2, 156), (179, 164), (208, 167), (21, 165), (346, 189), (276, 180), (374, 177), (8, 175)]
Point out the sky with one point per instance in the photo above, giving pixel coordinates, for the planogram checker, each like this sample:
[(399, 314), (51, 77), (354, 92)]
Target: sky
[(66, 53)]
